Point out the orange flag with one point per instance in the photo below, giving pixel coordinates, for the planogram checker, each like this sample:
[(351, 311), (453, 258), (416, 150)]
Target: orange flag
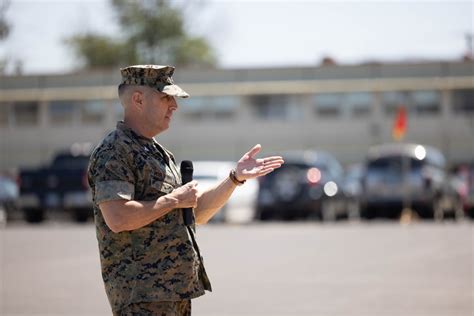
[(400, 124)]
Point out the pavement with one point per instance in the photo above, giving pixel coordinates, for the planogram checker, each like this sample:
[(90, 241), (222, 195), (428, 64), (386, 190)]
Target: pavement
[(348, 268)]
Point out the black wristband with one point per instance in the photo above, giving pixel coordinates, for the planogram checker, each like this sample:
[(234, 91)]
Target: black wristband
[(234, 178)]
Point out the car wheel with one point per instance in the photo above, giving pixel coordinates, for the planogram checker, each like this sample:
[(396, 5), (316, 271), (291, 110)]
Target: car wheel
[(290, 215), (368, 212), (34, 215), (470, 212), (264, 214), (315, 215), (81, 215)]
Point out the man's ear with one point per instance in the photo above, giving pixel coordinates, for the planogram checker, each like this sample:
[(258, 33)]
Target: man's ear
[(137, 100)]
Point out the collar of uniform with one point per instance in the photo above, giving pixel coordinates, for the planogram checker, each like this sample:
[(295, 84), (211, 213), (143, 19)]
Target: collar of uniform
[(132, 134), (144, 140), (164, 150)]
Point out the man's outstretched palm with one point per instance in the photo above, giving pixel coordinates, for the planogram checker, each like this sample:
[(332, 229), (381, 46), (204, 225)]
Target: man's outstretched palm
[(248, 167)]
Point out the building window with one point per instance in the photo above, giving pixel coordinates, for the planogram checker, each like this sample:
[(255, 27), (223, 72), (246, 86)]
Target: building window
[(221, 107), (359, 103), (393, 100), (62, 112), (224, 106), (271, 107), (426, 102), (26, 113), (463, 101), (328, 104), (92, 112), (194, 107), (4, 114), (295, 107)]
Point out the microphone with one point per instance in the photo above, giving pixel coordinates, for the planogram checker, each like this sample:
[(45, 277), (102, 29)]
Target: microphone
[(187, 176)]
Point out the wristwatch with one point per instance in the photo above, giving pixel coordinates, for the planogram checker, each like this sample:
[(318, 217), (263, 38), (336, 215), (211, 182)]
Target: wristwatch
[(234, 178)]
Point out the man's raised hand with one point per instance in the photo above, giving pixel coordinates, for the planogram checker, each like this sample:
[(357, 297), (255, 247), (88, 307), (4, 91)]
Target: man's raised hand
[(248, 167)]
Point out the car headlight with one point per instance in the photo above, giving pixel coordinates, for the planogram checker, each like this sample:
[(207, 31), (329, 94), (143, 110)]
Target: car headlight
[(330, 188)]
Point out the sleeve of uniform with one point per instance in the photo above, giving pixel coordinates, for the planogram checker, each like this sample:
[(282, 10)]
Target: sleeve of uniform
[(113, 178)]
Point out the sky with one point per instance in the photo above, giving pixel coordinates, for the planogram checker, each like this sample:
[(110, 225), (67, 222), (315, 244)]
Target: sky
[(257, 33)]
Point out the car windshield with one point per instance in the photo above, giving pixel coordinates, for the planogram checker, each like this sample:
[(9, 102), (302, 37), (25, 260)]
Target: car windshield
[(395, 164), (71, 162)]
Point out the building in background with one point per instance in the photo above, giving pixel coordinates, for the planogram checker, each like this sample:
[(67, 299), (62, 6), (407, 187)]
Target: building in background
[(340, 109)]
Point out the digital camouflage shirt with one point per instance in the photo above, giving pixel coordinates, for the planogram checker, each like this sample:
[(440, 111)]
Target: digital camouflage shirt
[(158, 262)]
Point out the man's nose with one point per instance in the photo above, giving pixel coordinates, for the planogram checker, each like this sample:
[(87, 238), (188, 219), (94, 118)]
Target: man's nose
[(174, 104)]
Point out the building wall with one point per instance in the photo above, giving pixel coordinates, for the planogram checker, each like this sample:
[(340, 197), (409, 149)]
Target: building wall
[(230, 111)]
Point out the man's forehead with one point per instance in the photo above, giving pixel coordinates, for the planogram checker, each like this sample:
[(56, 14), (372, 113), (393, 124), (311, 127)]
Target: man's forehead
[(159, 93), (142, 89)]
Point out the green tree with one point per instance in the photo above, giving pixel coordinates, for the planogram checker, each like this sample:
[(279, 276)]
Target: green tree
[(98, 51), (153, 32)]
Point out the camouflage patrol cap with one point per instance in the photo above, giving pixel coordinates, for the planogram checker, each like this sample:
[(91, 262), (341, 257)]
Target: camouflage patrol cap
[(154, 76)]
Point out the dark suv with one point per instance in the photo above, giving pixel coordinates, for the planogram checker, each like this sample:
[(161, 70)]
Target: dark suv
[(307, 185), (409, 176), (60, 186)]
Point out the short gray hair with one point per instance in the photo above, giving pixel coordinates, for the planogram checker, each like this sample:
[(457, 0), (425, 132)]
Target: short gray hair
[(125, 91)]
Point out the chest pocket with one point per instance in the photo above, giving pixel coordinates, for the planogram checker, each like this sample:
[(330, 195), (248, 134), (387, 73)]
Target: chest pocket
[(157, 178)]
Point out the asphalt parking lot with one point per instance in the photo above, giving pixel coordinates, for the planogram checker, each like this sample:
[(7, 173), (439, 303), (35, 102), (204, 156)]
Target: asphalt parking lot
[(349, 268)]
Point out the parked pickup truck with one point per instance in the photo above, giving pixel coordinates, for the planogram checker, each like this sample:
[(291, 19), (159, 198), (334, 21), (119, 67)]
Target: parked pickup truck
[(62, 186)]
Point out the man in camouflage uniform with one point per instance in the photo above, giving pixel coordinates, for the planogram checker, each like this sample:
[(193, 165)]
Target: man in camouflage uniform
[(151, 264)]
